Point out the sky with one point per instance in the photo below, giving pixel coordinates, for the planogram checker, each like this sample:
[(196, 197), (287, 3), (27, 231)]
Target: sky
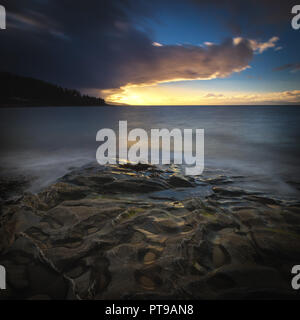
[(159, 52)]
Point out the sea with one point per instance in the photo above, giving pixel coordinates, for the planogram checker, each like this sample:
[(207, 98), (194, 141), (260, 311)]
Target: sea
[(254, 147)]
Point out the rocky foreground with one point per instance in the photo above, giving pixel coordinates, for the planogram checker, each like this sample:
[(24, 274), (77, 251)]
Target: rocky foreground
[(139, 232)]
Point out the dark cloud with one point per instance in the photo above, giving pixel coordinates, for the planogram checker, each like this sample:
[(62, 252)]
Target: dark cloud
[(170, 63), (86, 44), (293, 67), (250, 17), (98, 44)]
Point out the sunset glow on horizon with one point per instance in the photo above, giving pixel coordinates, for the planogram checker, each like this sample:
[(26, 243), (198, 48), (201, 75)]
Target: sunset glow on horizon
[(193, 52), (157, 95), (189, 75)]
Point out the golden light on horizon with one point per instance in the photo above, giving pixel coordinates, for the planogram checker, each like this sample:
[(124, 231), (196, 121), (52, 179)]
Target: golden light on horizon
[(160, 95)]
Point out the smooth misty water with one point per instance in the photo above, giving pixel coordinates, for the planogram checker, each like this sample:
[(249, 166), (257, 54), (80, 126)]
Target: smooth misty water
[(261, 144)]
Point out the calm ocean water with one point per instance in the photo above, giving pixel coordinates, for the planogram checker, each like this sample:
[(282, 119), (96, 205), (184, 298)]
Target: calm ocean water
[(257, 146)]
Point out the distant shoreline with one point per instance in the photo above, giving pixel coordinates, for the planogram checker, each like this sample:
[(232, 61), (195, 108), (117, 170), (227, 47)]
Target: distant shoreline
[(18, 91), (5, 106), (57, 105)]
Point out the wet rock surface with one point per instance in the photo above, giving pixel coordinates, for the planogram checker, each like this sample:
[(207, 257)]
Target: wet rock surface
[(139, 232)]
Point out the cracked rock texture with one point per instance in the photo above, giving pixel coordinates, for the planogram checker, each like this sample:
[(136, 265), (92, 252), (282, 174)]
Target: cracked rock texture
[(139, 232)]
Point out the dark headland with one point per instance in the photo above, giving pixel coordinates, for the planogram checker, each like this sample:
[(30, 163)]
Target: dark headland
[(18, 91)]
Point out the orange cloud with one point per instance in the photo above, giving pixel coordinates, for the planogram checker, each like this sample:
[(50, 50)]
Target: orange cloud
[(171, 63), (176, 63), (260, 47)]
